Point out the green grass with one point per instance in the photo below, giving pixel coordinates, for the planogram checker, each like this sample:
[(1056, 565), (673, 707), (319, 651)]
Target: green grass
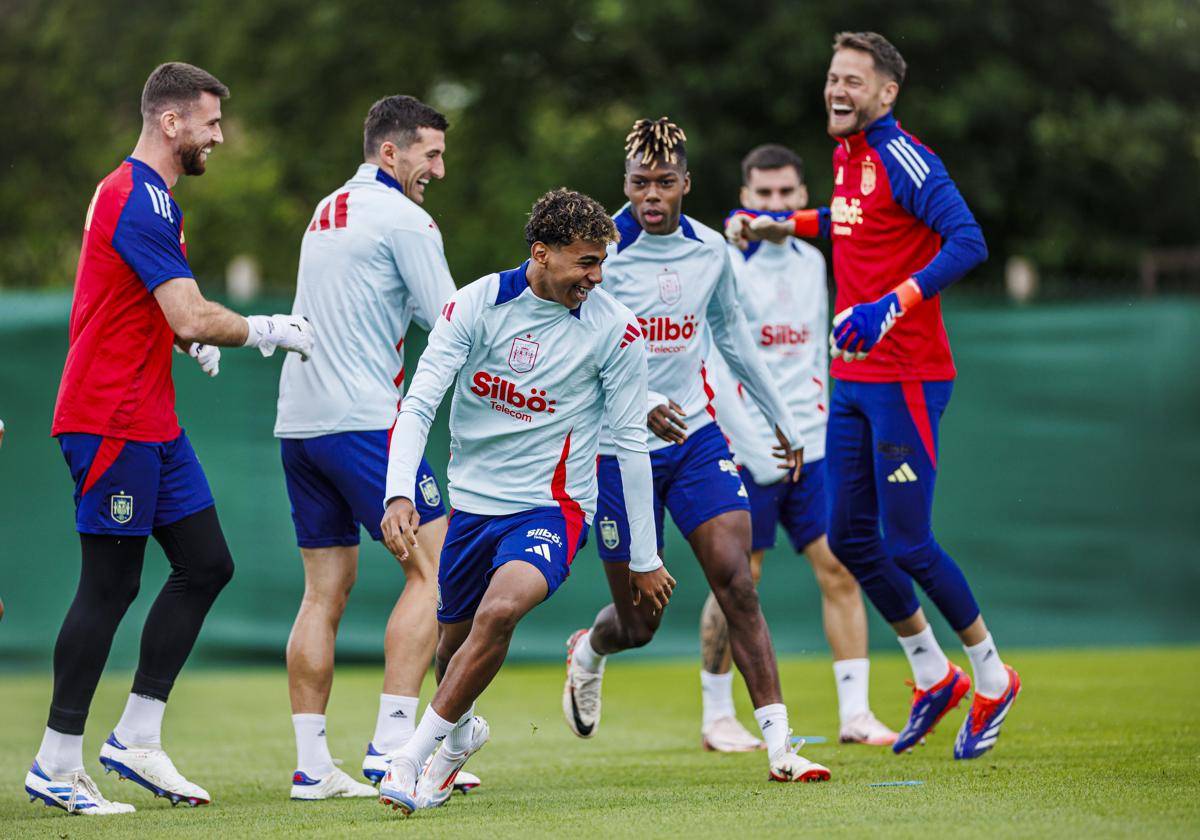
[(1100, 743)]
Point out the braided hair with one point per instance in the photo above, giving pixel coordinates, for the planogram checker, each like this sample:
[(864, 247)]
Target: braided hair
[(653, 142)]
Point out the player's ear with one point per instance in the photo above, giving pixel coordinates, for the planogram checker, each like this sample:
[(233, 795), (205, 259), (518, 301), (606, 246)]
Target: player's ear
[(890, 91), (168, 121), (539, 253), (687, 182)]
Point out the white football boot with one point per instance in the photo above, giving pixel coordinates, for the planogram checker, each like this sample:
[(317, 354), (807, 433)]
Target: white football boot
[(581, 694), (334, 785), (728, 735), (790, 766), (438, 776), (153, 769), (375, 765), (399, 785), (865, 728), (75, 793)]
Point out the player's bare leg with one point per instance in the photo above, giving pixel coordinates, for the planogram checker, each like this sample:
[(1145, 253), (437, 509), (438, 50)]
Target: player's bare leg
[(720, 729), (471, 663), (329, 575)]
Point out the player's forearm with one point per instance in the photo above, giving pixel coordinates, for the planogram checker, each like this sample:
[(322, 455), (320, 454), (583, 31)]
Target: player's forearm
[(404, 455), (637, 482), (212, 323), (961, 251)]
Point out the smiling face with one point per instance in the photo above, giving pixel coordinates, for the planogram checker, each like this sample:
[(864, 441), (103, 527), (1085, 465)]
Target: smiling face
[(856, 93), (417, 163), (197, 131), (565, 274), (656, 194)]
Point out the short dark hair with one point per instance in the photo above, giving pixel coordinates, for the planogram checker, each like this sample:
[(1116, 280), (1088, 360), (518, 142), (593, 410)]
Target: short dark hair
[(562, 216), (396, 119), (178, 85), (771, 156), (887, 58)]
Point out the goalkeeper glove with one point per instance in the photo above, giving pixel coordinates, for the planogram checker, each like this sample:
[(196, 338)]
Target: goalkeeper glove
[(858, 329), (291, 332), (207, 356)]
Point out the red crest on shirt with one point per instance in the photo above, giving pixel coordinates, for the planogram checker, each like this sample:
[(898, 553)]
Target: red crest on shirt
[(522, 355), (867, 184), (668, 287)]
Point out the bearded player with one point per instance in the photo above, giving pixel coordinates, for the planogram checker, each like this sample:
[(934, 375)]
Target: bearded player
[(134, 469), (782, 289), (901, 234), (675, 274)]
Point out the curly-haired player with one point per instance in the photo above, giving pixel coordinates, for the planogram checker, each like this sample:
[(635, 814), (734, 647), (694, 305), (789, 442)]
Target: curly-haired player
[(543, 359)]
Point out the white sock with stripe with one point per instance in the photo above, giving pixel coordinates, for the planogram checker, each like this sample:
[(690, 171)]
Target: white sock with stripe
[(773, 721), (925, 655), (312, 750), (852, 678), (991, 678), (395, 723)]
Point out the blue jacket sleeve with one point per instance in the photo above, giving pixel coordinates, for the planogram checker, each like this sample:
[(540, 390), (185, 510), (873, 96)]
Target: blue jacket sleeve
[(921, 185)]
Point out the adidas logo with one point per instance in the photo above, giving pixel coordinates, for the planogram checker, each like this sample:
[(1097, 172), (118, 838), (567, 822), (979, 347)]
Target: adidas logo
[(541, 550), (399, 713), (903, 474), (848, 678), (919, 650), (991, 652)]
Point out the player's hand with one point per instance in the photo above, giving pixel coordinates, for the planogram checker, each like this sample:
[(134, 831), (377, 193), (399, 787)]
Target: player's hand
[(793, 459), (666, 421), (736, 226), (745, 226), (858, 329), (655, 586), (208, 356), (294, 333), (400, 524), (769, 228)]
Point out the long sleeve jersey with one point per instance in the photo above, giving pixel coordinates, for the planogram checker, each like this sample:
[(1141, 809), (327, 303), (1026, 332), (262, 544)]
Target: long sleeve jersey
[(896, 214), (676, 284), (783, 292), (371, 262), (535, 383)]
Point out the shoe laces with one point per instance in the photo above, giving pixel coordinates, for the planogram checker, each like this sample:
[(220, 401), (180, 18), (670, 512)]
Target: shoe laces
[(83, 781), (586, 699), (982, 708)]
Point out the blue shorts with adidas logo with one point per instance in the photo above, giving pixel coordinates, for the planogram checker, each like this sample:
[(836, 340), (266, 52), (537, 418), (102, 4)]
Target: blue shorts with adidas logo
[(336, 483), (547, 538)]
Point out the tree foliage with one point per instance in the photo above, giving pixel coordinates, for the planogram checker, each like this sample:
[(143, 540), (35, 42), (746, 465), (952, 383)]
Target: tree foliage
[(1072, 129)]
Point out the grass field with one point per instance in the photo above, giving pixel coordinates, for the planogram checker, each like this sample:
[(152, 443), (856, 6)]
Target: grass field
[(1099, 744)]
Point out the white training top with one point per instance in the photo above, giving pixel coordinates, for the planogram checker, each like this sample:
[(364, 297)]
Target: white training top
[(535, 383), (371, 261), (782, 290), (675, 284)]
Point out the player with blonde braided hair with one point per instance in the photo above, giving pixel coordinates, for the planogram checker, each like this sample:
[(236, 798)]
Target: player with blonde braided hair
[(676, 276)]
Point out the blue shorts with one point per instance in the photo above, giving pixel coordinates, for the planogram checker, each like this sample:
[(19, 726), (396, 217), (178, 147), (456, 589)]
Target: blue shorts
[(695, 480), (800, 507), (130, 487), (476, 545), (337, 482)]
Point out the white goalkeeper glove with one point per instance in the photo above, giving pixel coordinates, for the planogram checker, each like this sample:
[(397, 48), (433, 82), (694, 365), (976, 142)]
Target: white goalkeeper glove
[(294, 333), (206, 355)]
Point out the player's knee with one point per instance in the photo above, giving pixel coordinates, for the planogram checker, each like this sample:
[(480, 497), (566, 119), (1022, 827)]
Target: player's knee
[(639, 635), (739, 598), (498, 618), (837, 583), (915, 554)]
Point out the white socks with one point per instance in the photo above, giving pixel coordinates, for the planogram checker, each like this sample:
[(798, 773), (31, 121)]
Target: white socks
[(430, 733), (773, 721), (929, 663), (991, 679), (312, 751), (396, 722), (60, 753), (852, 679), (459, 739), (141, 723), (716, 692), (585, 657)]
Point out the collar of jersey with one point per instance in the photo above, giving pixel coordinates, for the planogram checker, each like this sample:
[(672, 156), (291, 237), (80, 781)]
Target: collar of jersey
[(387, 180), (870, 134), (149, 171), (630, 230), (515, 281)]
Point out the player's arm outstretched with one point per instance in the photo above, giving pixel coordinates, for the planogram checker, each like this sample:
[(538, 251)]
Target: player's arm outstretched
[(743, 226), (624, 378), (731, 335), (449, 343)]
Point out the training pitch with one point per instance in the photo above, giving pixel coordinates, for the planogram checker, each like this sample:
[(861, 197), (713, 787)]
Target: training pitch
[(1101, 743)]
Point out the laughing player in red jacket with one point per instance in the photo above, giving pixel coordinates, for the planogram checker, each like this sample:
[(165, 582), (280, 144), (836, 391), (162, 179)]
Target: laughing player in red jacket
[(901, 233)]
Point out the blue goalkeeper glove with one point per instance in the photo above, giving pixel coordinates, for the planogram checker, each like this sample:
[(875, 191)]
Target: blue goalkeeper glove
[(858, 329)]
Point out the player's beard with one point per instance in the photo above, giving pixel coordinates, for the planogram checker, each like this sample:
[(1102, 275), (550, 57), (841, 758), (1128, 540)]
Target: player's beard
[(192, 158)]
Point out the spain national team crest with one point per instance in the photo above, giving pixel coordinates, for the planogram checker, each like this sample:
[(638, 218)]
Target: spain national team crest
[(121, 508), (669, 288), (867, 185), (522, 355), (429, 491), (609, 534)]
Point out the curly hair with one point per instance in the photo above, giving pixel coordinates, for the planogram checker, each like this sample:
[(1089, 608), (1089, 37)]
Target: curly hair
[(653, 142), (563, 216)]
